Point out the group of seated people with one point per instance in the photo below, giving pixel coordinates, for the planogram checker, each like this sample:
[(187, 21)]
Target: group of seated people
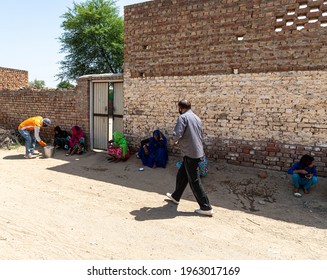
[(153, 151), (73, 142)]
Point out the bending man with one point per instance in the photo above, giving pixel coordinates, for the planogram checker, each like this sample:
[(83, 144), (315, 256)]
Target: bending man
[(26, 129)]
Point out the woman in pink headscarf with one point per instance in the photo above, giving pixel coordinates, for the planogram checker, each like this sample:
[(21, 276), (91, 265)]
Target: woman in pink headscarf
[(76, 142)]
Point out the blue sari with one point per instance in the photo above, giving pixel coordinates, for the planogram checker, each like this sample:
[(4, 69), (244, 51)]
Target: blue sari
[(154, 153)]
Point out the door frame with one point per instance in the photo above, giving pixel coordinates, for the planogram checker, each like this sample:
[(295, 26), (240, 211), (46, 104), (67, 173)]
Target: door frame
[(91, 87)]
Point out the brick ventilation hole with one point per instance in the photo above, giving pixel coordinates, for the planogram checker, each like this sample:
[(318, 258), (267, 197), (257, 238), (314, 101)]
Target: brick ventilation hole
[(307, 14)]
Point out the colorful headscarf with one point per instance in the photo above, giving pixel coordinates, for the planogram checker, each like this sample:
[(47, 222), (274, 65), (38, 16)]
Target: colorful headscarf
[(77, 134), (120, 141)]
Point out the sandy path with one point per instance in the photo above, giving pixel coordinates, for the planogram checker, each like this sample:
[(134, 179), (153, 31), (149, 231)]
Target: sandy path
[(63, 208)]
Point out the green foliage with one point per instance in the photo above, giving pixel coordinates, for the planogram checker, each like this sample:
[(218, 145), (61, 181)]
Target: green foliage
[(93, 39), (65, 84), (38, 84)]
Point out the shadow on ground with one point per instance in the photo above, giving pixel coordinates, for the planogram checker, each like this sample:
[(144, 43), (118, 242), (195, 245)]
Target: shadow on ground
[(228, 186), (14, 157), (167, 211)]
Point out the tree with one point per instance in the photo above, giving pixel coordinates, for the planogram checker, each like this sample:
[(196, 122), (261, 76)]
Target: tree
[(65, 84), (93, 39), (38, 84)]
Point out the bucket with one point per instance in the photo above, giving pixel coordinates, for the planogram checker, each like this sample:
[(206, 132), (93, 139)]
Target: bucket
[(49, 151)]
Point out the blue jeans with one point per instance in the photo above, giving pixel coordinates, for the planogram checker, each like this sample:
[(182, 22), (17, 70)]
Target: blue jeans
[(303, 182), (30, 140)]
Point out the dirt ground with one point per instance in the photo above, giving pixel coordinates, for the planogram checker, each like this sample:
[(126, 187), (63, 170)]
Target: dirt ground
[(83, 207)]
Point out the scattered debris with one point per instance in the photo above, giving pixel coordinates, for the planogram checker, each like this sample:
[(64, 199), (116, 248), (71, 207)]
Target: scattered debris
[(262, 174), (248, 191), (9, 138)]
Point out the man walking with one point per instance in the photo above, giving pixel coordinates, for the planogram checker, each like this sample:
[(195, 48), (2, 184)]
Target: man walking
[(30, 130), (188, 134)]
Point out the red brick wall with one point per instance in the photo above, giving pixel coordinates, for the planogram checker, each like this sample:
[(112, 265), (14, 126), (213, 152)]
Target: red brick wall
[(64, 107), (198, 37), (223, 55), (13, 78), (267, 154)]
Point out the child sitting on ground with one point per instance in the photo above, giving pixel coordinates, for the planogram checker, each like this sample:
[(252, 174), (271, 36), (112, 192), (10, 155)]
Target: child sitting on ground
[(304, 174)]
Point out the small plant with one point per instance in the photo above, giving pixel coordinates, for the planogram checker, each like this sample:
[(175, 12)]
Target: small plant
[(65, 84), (38, 84)]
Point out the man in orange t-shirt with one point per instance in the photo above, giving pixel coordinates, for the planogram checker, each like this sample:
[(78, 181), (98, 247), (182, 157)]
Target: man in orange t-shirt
[(32, 125)]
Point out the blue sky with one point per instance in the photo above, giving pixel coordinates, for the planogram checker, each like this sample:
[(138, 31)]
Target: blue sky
[(30, 32)]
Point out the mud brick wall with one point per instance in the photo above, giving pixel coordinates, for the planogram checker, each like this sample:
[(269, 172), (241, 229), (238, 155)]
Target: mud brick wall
[(13, 78), (200, 37), (260, 120), (65, 108), (255, 72)]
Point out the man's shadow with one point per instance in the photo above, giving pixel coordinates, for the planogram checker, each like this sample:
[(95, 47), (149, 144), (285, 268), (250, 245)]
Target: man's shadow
[(168, 211), (21, 156), (14, 157)]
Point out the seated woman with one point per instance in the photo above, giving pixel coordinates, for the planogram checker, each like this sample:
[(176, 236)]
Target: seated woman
[(61, 138), (118, 148), (76, 142), (153, 151)]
